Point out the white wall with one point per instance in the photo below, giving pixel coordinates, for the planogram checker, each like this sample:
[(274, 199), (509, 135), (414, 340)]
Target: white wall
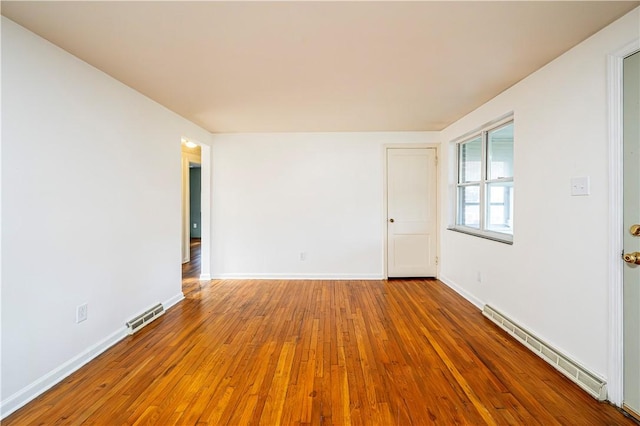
[(553, 280), (276, 195), (90, 210)]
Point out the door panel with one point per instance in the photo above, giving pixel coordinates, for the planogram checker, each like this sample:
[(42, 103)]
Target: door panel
[(631, 212), (411, 250), (411, 212)]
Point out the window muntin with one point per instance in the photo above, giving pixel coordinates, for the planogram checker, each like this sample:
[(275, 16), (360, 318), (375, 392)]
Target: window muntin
[(485, 182)]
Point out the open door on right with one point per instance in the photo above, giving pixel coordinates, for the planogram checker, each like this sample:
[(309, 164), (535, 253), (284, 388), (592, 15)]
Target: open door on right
[(631, 225)]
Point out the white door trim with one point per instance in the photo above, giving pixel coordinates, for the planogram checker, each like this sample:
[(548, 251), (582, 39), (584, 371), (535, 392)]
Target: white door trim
[(615, 358), (186, 208), (205, 212), (385, 242)]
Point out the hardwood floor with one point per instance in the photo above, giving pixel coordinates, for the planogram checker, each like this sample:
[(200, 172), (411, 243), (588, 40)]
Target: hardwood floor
[(400, 352), (191, 269)]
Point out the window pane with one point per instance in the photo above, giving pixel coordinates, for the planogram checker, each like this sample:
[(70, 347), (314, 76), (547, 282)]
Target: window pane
[(500, 152), (500, 207), (470, 154), (469, 206)]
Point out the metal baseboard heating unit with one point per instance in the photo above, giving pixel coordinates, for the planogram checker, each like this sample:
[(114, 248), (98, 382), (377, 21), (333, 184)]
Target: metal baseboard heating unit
[(145, 318), (591, 383)]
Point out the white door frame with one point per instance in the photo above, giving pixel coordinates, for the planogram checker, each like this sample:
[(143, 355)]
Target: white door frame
[(205, 212), (385, 237), (615, 390), (186, 208)]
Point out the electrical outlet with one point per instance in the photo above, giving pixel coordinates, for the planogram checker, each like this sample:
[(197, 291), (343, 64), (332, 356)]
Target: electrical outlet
[(303, 255), (81, 313), (195, 225), (479, 277)]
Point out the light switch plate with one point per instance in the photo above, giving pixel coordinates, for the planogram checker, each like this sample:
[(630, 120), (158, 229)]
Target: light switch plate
[(580, 186)]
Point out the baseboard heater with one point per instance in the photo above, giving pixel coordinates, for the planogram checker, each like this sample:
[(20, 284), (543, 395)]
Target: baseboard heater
[(591, 383), (145, 318)]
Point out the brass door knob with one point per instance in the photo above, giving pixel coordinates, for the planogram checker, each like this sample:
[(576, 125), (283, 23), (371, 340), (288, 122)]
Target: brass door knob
[(633, 258), (635, 230), (391, 220)]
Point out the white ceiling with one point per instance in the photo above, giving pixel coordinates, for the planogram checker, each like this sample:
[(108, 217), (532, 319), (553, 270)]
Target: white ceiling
[(317, 66)]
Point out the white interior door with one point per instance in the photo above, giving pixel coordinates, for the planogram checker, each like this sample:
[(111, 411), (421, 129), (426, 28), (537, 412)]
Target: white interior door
[(411, 212), (631, 135)]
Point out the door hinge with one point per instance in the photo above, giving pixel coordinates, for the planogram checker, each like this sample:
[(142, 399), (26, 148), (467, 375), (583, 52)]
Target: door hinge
[(437, 260)]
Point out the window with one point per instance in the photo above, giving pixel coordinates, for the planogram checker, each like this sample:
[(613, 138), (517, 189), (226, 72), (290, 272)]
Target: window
[(484, 187)]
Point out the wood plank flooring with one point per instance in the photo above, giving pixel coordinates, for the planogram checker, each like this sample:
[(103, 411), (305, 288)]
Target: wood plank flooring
[(402, 352), (191, 269)]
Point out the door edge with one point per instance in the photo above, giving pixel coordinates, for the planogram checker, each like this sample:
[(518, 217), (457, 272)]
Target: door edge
[(615, 389)]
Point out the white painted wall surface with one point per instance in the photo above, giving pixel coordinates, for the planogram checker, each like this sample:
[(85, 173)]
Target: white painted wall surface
[(277, 195), (553, 280), (90, 210)]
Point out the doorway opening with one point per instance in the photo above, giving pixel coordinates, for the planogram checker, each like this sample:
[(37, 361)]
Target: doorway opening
[(196, 172)]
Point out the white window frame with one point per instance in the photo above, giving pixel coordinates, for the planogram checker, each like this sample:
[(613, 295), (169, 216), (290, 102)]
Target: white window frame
[(483, 183)]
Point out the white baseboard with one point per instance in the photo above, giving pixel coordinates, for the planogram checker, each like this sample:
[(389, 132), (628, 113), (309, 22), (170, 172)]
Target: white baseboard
[(55, 376), (346, 277), (462, 292), (205, 277), (172, 301)]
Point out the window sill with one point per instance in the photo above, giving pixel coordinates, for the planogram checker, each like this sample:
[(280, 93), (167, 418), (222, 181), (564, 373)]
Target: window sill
[(493, 236)]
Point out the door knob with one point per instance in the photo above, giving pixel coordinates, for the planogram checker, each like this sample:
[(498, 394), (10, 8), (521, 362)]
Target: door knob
[(391, 220), (635, 230), (633, 258)]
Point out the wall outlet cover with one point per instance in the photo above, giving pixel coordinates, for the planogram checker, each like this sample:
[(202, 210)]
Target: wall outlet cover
[(82, 313)]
